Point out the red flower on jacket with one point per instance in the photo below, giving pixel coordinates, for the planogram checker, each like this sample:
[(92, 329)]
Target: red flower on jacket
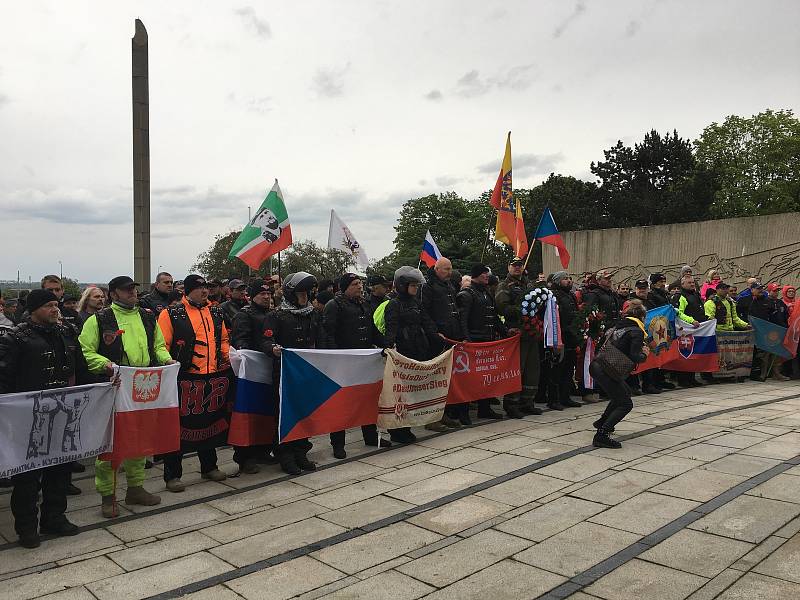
[(120, 331), (268, 333), (181, 342)]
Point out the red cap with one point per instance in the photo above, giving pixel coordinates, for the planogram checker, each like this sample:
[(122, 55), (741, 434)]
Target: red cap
[(773, 286)]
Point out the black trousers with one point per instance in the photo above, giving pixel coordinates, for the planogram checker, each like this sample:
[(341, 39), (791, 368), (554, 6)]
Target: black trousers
[(25, 497), (619, 397), (561, 374), (173, 463), (369, 433)]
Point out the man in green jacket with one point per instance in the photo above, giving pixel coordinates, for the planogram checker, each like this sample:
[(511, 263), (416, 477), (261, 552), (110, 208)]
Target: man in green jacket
[(723, 309), (122, 334)]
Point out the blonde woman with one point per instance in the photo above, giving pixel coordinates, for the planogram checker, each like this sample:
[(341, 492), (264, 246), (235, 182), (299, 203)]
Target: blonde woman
[(712, 279)]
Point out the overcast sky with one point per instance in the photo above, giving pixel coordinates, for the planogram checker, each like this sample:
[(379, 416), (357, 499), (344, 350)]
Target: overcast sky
[(355, 105)]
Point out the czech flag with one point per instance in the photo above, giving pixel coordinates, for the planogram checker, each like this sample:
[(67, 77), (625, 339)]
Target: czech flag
[(769, 337), (146, 419), (697, 348), (510, 228), (547, 233), (430, 251), (253, 417), (328, 390)]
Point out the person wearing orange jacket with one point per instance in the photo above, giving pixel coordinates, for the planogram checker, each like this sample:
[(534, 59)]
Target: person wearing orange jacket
[(196, 336)]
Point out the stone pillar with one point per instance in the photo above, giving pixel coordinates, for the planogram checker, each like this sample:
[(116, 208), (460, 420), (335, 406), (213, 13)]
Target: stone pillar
[(141, 157)]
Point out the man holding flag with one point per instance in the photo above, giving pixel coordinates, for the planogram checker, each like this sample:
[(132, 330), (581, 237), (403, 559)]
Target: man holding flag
[(123, 334), (509, 228)]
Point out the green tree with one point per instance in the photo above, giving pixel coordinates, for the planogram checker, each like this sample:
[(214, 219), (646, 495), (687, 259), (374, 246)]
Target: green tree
[(756, 162), (71, 287), (458, 225), (214, 262), (322, 263), (303, 255), (655, 182)]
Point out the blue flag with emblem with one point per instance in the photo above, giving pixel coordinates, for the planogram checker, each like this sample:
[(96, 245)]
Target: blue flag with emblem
[(769, 337)]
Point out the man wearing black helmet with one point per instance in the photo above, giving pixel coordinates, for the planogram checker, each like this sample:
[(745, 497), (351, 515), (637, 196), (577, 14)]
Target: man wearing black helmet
[(409, 329), (295, 324)]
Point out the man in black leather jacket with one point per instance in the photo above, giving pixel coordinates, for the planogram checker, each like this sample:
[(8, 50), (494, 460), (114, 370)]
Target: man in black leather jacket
[(347, 323), (562, 372), (480, 321), (40, 354)]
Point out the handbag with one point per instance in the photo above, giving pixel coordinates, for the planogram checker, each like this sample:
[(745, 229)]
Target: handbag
[(613, 361)]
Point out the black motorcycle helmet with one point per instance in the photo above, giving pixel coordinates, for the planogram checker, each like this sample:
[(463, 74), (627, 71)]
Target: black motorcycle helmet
[(405, 275), (298, 282)]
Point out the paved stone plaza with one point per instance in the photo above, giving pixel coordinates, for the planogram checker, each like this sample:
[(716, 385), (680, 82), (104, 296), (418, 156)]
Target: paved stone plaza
[(702, 502)]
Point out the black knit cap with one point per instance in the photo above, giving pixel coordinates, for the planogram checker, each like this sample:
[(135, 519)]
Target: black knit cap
[(377, 279), (478, 270), (346, 279), (38, 298), (192, 282), (256, 287)]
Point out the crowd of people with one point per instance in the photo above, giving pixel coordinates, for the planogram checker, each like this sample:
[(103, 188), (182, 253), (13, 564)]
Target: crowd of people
[(49, 340)]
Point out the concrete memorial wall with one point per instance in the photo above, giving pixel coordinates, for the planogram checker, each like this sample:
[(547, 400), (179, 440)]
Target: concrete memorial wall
[(767, 247)]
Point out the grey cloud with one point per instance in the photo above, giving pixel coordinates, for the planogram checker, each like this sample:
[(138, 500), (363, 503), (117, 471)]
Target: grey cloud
[(446, 181), (526, 164), (517, 78), (253, 22), (632, 28), (329, 82), (470, 85), (259, 106), (434, 95), (577, 11)]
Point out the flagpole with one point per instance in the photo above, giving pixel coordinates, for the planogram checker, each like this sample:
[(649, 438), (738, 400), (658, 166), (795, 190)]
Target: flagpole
[(488, 231), (249, 218), (533, 242)]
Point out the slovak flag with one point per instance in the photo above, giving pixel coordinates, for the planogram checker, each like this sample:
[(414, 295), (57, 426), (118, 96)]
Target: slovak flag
[(328, 390), (430, 251), (146, 419), (697, 347), (547, 233), (253, 416)]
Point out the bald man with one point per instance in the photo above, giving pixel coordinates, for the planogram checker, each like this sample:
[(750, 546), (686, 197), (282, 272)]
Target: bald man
[(439, 301)]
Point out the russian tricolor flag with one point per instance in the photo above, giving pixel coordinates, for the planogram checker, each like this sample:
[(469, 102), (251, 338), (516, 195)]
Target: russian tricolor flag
[(328, 390), (253, 416), (547, 233), (430, 251)]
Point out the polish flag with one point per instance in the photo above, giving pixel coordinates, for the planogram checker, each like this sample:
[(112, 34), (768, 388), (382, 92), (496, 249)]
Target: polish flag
[(146, 419)]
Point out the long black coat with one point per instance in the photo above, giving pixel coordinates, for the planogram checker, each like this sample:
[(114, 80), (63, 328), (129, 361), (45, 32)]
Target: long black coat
[(249, 326), (347, 323), (409, 328), (439, 302), (479, 318)]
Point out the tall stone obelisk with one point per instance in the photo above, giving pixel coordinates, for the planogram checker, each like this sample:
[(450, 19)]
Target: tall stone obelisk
[(141, 157)]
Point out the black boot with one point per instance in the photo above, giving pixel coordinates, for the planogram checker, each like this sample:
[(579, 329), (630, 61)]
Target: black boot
[(339, 452), (527, 407), (488, 413), (570, 403), (599, 423), (301, 459), (602, 440), (555, 406), (512, 410), (60, 527), (287, 460)]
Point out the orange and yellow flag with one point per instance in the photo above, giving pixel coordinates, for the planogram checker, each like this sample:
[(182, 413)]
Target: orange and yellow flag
[(510, 227)]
